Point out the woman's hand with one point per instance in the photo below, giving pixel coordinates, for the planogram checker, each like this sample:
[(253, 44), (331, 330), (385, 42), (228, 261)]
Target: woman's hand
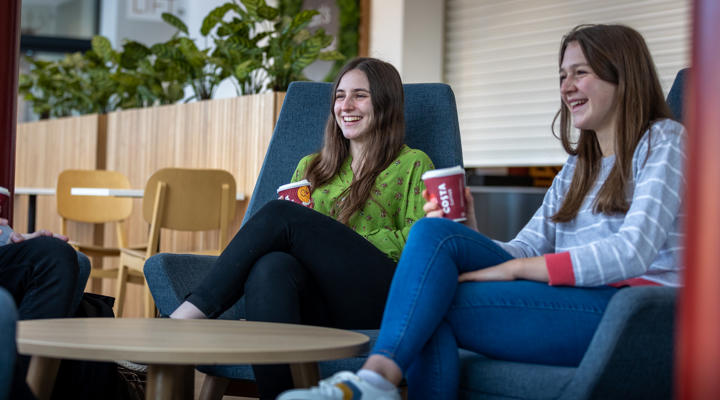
[(432, 208), (532, 269)]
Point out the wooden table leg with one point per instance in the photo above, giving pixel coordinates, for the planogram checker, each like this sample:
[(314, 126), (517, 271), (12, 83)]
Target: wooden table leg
[(41, 376), (169, 382), (305, 375)]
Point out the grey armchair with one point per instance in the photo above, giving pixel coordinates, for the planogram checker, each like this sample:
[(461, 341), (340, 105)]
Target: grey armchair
[(431, 125)]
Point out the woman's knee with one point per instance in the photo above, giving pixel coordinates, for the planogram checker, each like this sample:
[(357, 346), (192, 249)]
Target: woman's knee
[(432, 229), (274, 270), (54, 254), (279, 209)]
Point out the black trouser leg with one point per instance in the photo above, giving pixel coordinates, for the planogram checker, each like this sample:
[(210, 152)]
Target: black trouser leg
[(296, 265), (351, 274), (279, 289), (41, 274)]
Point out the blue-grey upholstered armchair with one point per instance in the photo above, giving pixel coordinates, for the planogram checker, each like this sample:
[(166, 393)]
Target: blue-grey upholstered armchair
[(675, 96), (431, 126)]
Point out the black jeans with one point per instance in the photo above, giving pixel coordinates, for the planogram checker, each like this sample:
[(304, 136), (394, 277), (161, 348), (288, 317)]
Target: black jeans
[(41, 274), (296, 265)]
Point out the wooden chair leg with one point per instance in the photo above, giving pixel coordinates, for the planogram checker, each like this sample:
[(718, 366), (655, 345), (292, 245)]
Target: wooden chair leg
[(170, 382), (121, 284), (41, 376), (213, 387), (149, 302), (305, 375)]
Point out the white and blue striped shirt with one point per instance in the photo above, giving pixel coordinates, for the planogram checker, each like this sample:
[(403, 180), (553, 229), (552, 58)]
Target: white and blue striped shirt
[(645, 243)]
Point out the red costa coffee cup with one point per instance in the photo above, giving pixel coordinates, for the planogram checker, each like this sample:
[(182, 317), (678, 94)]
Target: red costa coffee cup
[(298, 192), (447, 186)]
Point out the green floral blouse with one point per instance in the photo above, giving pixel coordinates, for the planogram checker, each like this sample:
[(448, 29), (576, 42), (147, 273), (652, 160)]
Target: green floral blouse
[(394, 205)]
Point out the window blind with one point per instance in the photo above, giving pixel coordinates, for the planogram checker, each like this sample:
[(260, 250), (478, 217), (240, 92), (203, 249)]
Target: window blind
[(501, 59)]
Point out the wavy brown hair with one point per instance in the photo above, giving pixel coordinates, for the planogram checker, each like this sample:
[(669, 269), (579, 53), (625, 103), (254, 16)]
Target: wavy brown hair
[(617, 54), (386, 136)]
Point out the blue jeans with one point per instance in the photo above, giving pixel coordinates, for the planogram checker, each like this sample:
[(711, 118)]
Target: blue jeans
[(429, 315), (8, 317)]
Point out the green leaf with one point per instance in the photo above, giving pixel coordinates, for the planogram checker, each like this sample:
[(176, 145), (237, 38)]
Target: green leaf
[(146, 94), (216, 15), (291, 7), (175, 21), (132, 53), (332, 55), (244, 69), (267, 12), (175, 92), (102, 47), (252, 6), (302, 36), (302, 19), (194, 57)]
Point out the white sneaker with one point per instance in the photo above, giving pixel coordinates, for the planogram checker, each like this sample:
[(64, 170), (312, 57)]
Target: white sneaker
[(343, 385)]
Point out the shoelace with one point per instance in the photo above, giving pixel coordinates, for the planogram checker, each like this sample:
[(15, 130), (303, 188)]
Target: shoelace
[(327, 387), (329, 390)]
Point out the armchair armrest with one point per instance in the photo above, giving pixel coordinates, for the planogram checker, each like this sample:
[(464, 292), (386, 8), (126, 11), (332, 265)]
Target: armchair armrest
[(631, 354), (171, 277)]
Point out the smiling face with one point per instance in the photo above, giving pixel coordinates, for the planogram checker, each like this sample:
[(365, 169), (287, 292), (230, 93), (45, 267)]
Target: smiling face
[(353, 105), (590, 99)]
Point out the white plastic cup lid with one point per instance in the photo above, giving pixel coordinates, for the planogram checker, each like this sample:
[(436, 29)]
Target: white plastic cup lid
[(438, 173), (293, 185), (4, 191)]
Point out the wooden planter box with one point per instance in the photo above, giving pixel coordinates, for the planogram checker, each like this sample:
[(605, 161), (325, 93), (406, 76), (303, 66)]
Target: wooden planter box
[(231, 134)]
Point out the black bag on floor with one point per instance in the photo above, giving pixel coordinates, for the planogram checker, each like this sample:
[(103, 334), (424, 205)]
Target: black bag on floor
[(77, 379)]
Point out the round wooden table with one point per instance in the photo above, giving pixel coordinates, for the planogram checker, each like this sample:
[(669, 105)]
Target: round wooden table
[(172, 348)]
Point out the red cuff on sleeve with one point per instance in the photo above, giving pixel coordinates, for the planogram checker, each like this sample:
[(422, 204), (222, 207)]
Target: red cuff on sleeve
[(559, 267)]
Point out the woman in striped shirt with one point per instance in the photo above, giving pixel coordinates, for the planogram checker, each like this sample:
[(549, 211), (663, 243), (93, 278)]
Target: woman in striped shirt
[(612, 218)]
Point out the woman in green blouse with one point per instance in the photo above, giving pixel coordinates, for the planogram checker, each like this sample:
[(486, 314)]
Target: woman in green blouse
[(331, 265)]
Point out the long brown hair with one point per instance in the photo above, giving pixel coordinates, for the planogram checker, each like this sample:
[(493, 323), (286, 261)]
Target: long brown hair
[(386, 136), (617, 54)]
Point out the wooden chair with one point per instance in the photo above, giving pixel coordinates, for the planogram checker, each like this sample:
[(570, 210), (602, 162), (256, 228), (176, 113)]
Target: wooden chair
[(180, 199), (95, 210)]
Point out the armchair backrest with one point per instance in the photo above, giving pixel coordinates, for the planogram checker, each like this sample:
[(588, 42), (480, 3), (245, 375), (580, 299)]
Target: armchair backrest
[(431, 125), (675, 97)]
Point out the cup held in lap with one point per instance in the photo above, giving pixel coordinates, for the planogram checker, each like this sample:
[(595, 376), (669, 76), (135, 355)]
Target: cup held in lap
[(298, 192), (447, 186)]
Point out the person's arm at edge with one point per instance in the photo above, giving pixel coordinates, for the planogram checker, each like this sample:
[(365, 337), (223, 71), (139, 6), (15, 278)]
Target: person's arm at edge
[(19, 237)]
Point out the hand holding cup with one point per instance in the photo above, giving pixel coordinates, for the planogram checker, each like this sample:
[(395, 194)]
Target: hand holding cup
[(447, 187), (297, 192)]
